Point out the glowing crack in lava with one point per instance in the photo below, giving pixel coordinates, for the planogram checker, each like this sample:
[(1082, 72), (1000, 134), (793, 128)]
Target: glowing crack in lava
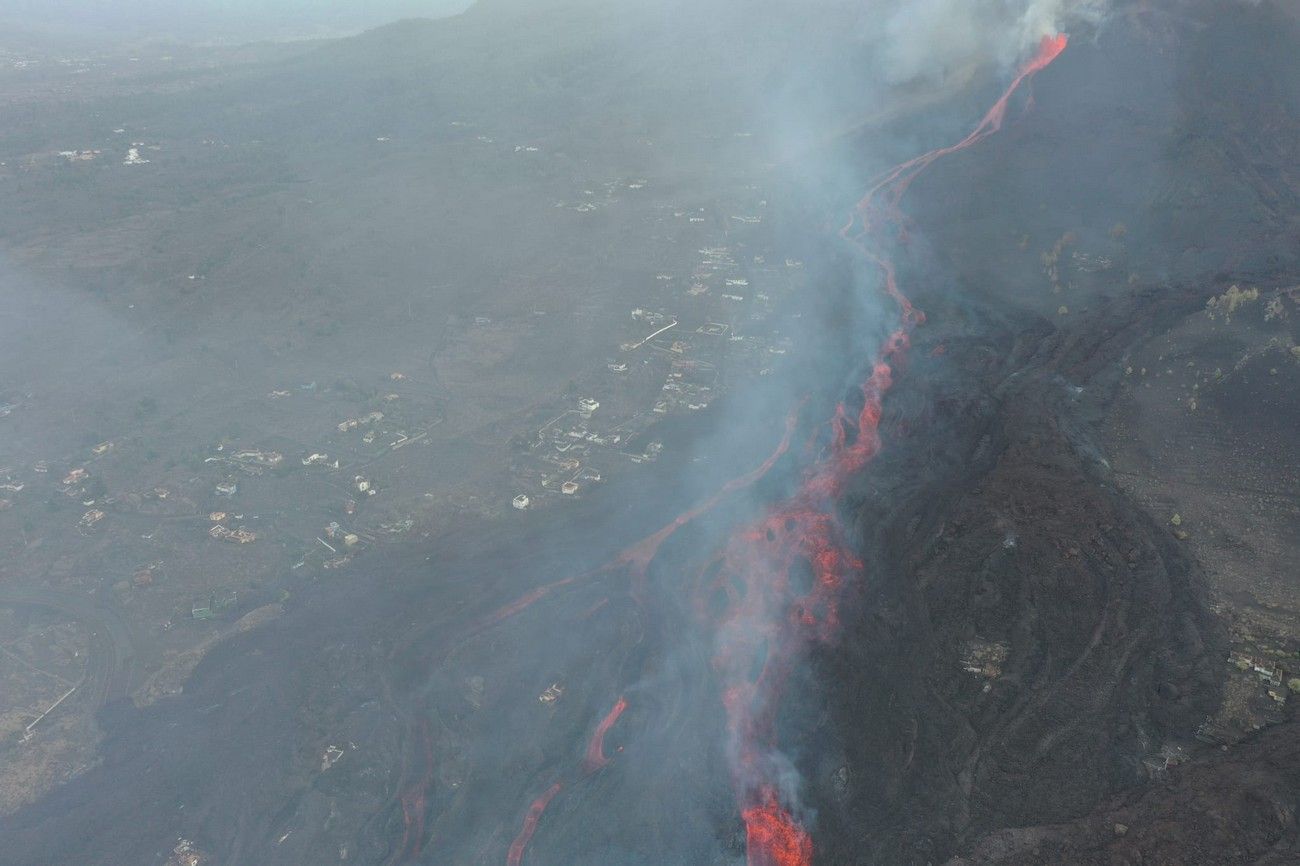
[(779, 579)]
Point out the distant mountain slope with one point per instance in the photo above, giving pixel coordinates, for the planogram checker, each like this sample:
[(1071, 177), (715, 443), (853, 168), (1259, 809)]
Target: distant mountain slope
[(97, 22)]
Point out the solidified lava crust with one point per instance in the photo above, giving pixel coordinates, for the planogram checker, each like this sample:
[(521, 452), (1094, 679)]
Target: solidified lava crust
[(763, 618)]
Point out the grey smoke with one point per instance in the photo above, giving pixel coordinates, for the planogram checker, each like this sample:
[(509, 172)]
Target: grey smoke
[(932, 38)]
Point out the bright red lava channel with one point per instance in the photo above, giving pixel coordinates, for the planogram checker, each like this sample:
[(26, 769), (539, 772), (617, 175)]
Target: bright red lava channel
[(768, 614), (595, 760), (535, 811), (782, 576), (596, 749), (413, 799)]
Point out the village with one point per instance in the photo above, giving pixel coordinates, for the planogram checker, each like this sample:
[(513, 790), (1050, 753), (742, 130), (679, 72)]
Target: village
[(190, 547), (707, 329)]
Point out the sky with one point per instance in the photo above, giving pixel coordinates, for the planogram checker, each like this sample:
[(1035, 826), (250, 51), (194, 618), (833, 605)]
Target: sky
[(207, 21)]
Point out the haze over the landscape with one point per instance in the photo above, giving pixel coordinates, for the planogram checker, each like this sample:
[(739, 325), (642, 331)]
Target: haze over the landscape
[(102, 23), (650, 432)]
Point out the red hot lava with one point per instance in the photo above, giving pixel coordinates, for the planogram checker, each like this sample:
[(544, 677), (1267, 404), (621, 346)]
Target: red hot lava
[(595, 759), (639, 555), (516, 855), (520, 603), (782, 577), (413, 799), (596, 750), (772, 837)]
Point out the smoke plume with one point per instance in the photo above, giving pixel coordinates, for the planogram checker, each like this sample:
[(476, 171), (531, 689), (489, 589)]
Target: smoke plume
[(932, 38)]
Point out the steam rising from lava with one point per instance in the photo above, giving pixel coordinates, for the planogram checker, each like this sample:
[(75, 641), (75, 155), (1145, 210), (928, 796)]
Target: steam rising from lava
[(781, 578), (771, 592), (778, 581), (930, 38)]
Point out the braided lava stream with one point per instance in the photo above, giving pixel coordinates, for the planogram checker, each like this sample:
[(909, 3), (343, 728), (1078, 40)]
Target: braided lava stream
[(782, 576)]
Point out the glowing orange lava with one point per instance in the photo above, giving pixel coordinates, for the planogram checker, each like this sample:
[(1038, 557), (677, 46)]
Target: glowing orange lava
[(516, 855), (779, 579), (596, 750), (638, 556), (782, 577), (413, 800), (772, 838)]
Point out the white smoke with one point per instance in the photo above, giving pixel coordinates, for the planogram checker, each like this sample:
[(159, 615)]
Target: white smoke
[(932, 38)]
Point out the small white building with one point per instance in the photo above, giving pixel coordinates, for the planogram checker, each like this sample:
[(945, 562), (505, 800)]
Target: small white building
[(521, 501)]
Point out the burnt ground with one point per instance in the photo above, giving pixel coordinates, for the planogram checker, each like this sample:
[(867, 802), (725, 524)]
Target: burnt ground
[(1035, 639), (1081, 631), (1038, 662)]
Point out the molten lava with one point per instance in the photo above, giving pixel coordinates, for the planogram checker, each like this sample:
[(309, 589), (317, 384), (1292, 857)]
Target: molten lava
[(772, 838), (778, 581), (781, 578), (520, 603), (596, 750), (516, 855), (413, 801), (638, 556)]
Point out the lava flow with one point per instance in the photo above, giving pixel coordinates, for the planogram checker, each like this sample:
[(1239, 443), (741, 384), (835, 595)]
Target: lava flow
[(772, 837), (516, 855), (780, 579), (638, 556), (596, 750), (594, 760), (413, 801)]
